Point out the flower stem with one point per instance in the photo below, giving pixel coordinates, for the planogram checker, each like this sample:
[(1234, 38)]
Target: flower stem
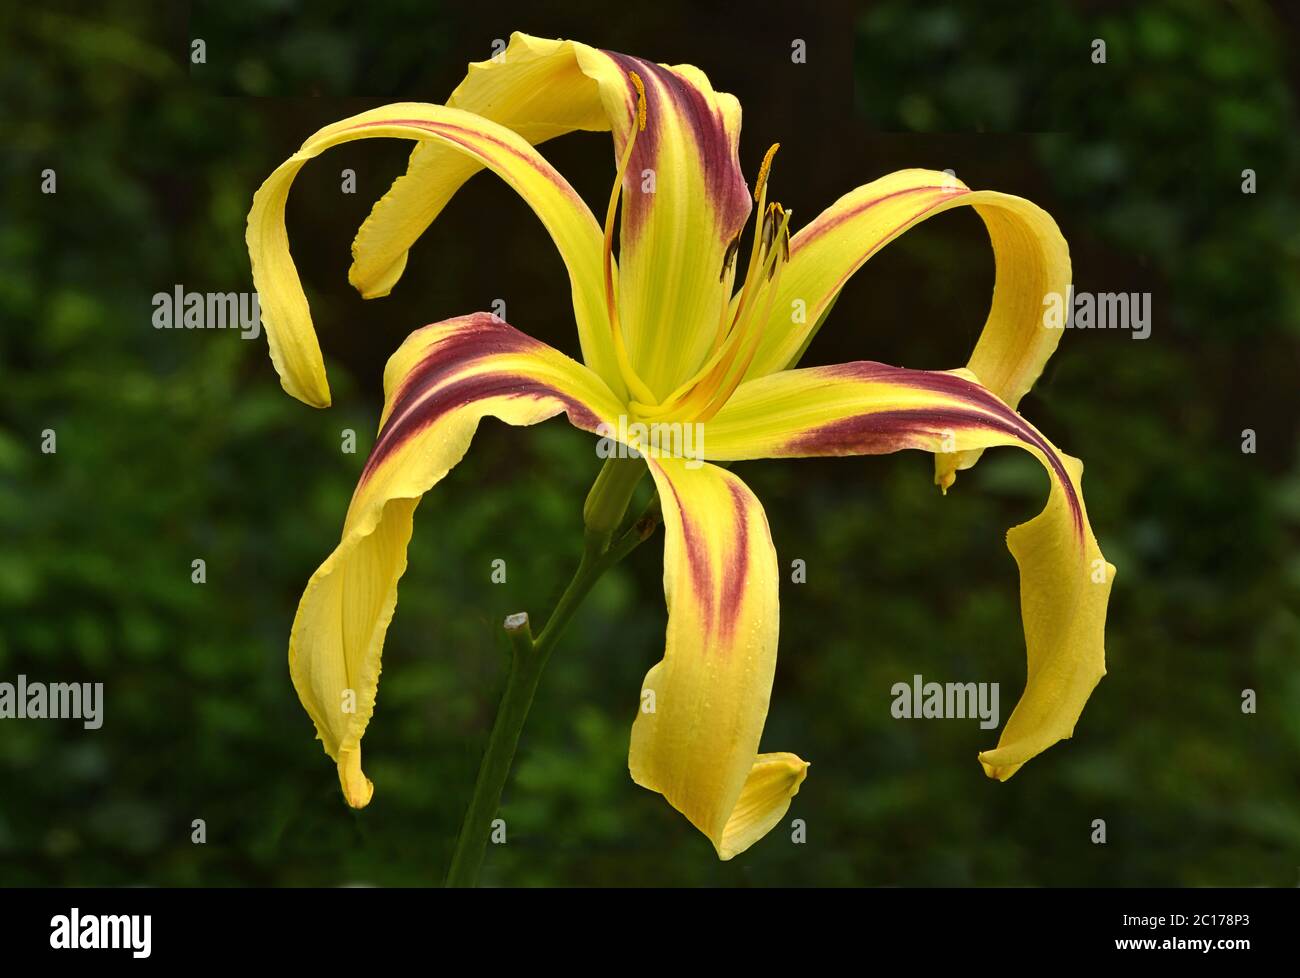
[(527, 660)]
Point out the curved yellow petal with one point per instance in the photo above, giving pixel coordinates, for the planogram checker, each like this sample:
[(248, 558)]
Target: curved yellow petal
[(696, 735), (866, 408), (294, 348), (773, 781), (535, 88), (684, 199), (438, 385), (1031, 257)]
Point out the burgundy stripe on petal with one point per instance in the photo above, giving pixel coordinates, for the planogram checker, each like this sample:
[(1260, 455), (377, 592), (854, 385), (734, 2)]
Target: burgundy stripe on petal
[(718, 615), (883, 432), (935, 381), (942, 383), (697, 557), (461, 393), (735, 576), (821, 227), (458, 135), (668, 94), (481, 335), (435, 387)]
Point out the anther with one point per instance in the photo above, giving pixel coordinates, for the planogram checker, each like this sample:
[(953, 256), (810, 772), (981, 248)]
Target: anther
[(770, 219), (729, 258), (761, 182), (640, 100), (780, 233)]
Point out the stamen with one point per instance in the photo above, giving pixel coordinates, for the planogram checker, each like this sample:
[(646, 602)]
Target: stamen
[(728, 387), (749, 334), (704, 394), (640, 100), (729, 257), (737, 341), (756, 251), (778, 215), (769, 226), (761, 183)]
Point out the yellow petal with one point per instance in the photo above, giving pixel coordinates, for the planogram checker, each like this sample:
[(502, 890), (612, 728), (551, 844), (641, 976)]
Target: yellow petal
[(773, 781), (866, 408), (696, 735), (285, 315), (684, 195), (1063, 606), (357, 788), (1030, 255), (438, 385), (535, 88), (684, 203)]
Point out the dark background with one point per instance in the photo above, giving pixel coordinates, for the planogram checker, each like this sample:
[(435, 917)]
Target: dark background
[(174, 445)]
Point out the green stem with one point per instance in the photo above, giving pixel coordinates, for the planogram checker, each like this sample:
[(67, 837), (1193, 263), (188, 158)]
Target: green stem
[(528, 659)]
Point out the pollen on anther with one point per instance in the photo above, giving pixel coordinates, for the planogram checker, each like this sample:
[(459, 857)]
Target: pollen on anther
[(762, 170), (640, 100)]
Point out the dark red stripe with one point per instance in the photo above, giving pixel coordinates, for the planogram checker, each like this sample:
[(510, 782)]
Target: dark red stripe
[(700, 562), (735, 575), (718, 619), (463, 392), (441, 128), (880, 433), (724, 183), (479, 336), (817, 229), (938, 382), (943, 383), (429, 391)]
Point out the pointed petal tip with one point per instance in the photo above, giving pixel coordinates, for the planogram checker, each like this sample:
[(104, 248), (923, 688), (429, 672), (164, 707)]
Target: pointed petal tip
[(369, 281), (773, 782), (944, 475), (997, 772), (357, 788), (316, 397)]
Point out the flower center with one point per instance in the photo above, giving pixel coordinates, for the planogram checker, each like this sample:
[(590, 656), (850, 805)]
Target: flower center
[(743, 320)]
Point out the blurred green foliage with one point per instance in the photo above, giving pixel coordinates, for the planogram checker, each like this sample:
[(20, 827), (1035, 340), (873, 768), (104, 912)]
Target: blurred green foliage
[(175, 445)]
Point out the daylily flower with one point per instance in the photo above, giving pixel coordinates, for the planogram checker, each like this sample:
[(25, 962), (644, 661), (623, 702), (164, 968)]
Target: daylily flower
[(675, 329)]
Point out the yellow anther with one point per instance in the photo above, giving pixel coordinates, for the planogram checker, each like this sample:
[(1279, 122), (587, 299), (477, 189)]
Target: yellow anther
[(708, 390), (734, 374), (771, 220), (729, 257), (756, 251), (741, 323), (761, 182), (640, 100), (780, 234)]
